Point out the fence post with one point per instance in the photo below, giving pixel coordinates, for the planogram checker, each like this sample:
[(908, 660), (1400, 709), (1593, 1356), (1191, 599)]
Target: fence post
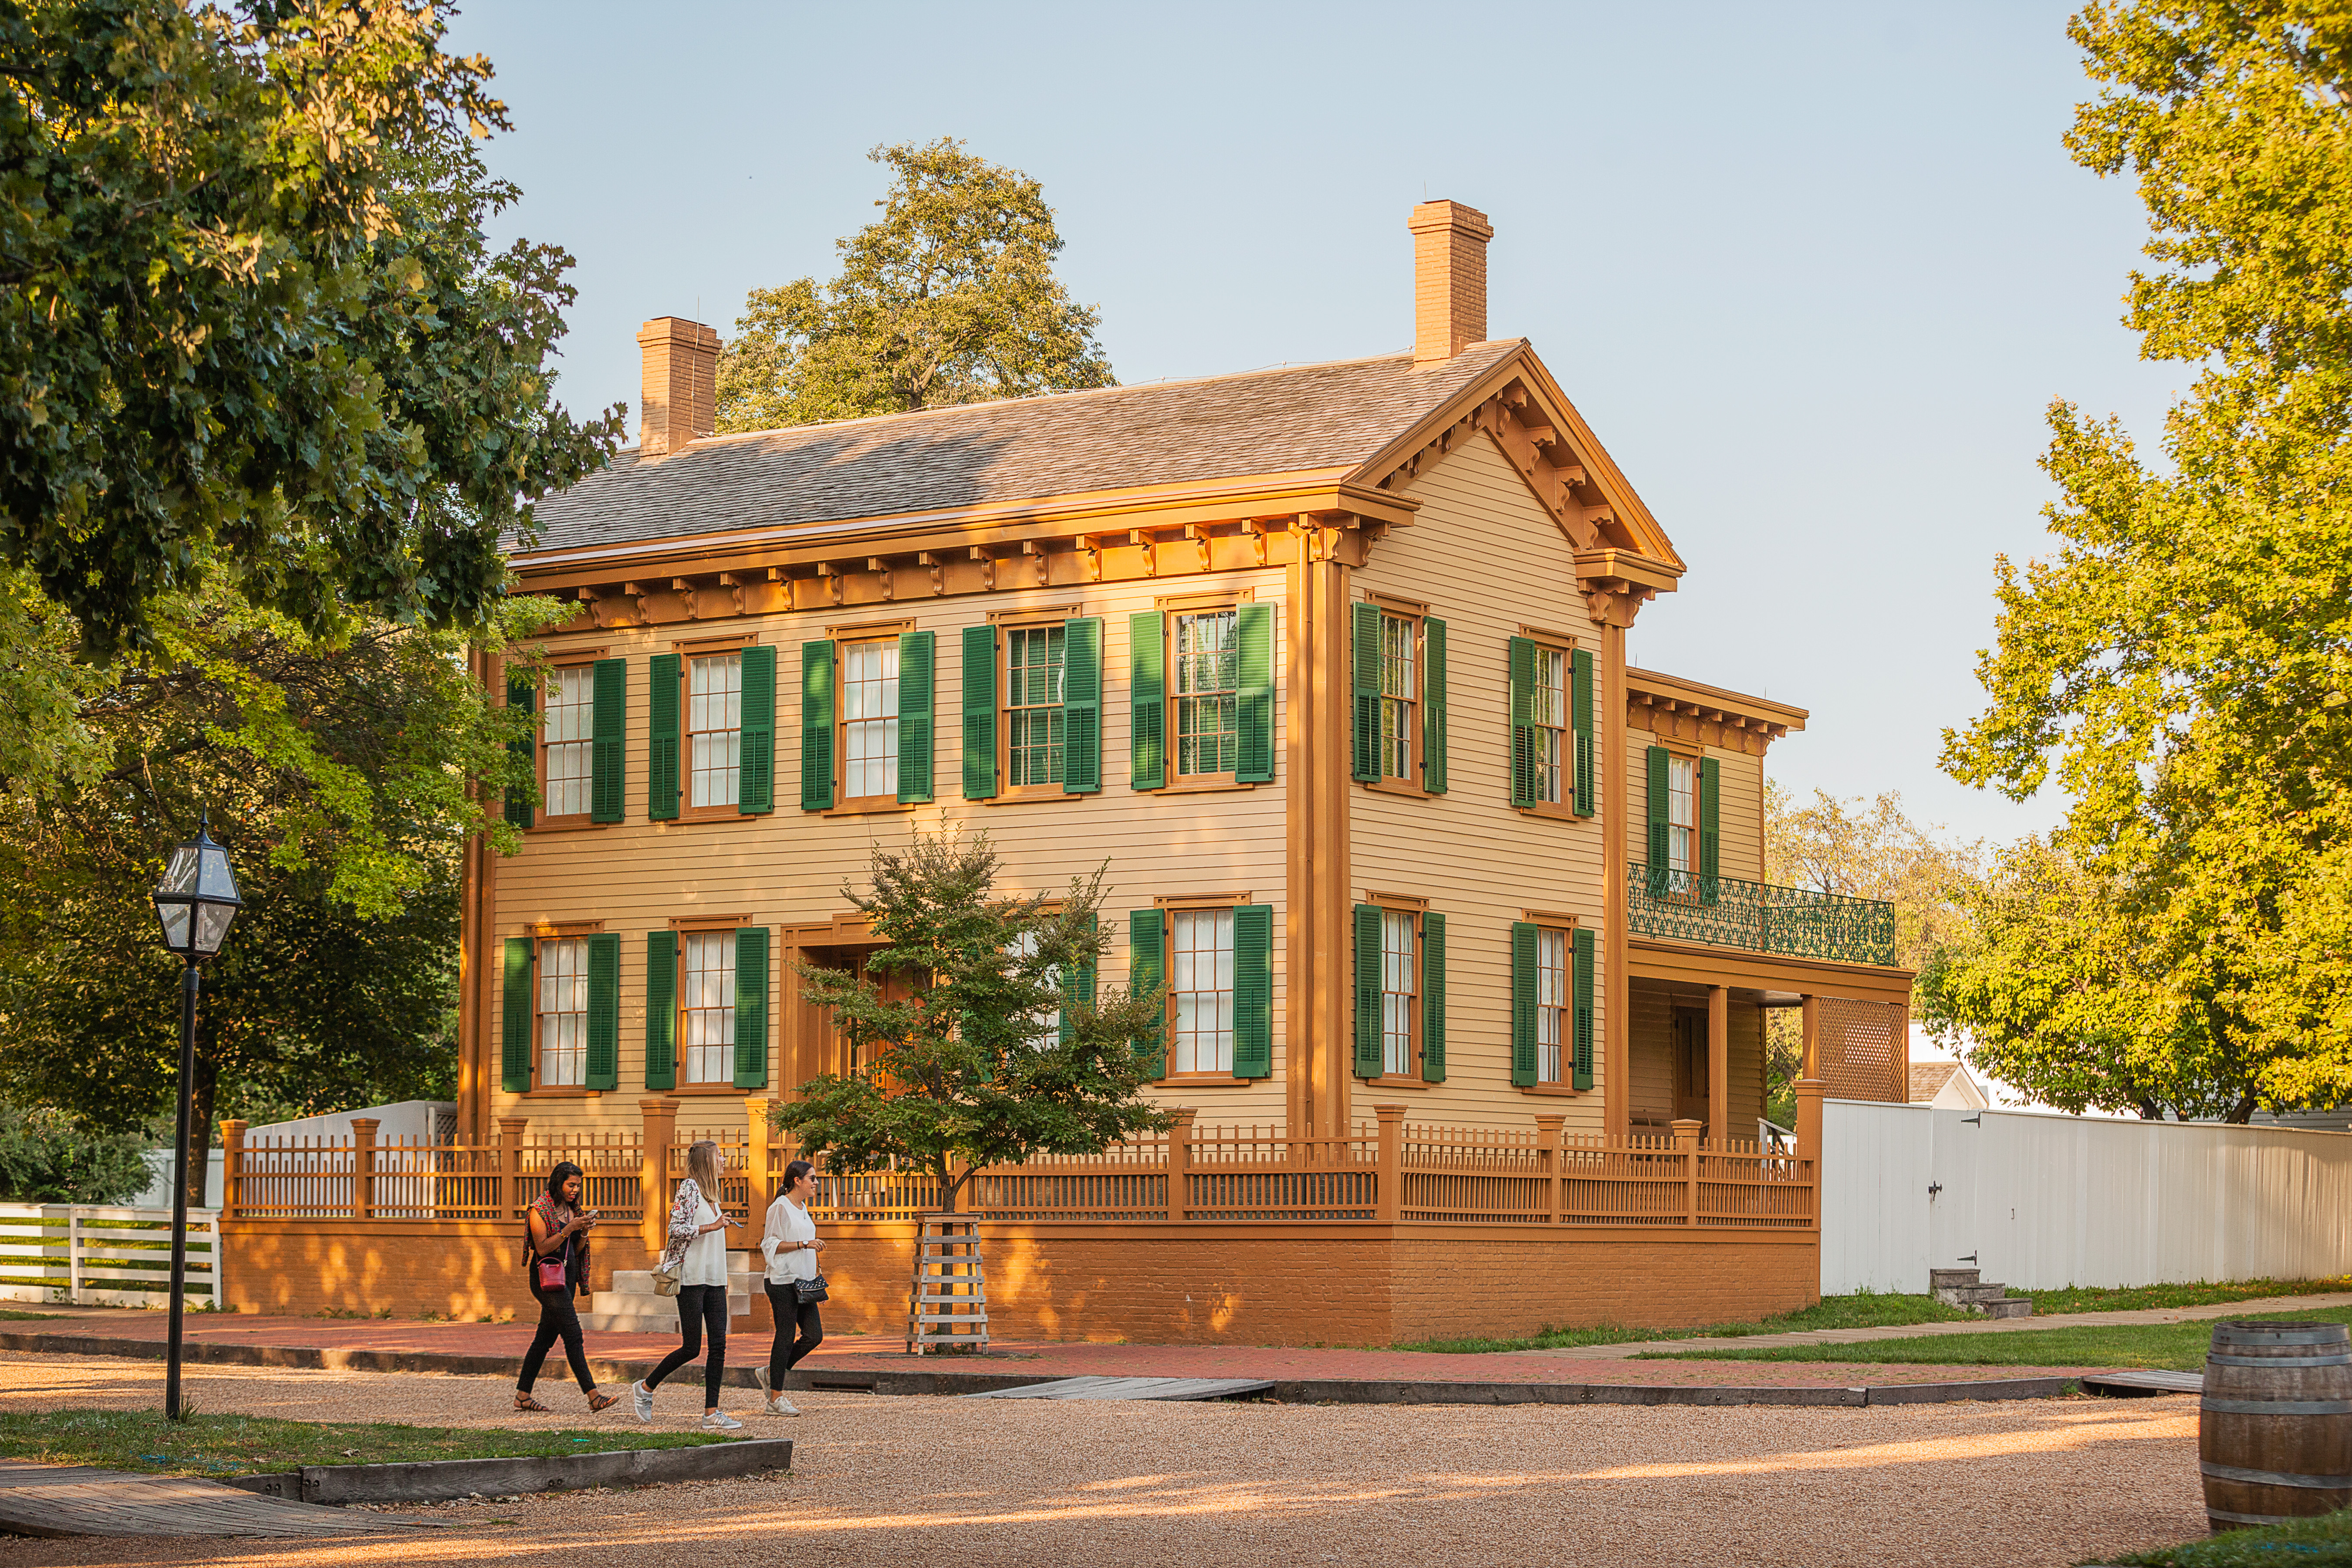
[(232, 1167), (1179, 1164), (1390, 1173), (756, 1195), (1809, 1137), (660, 1122), (363, 1166), (510, 1130), (1687, 1145), (73, 1255), (1547, 1162)]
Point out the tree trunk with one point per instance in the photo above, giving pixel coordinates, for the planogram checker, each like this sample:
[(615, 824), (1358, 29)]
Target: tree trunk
[(203, 1093)]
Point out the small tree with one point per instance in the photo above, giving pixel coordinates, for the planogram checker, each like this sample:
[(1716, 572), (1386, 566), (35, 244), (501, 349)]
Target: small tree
[(999, 1053)]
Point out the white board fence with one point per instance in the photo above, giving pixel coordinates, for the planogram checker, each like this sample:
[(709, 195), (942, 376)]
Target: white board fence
[(98, 1257), (2041, 1201)]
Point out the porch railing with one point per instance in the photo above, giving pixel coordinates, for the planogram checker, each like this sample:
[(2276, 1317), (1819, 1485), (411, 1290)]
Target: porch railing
[(1383, 1170), (1724, 912)]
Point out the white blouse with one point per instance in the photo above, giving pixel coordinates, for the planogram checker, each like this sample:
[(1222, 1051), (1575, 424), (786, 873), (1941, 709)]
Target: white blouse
[(789, 1225), (706, 1255)]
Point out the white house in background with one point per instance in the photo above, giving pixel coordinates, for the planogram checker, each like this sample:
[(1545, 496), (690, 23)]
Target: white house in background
[(403, 1121), (1946, 1086)]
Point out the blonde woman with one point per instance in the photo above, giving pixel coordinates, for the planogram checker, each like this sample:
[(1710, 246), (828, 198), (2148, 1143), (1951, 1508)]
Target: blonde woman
[(698, 1241)]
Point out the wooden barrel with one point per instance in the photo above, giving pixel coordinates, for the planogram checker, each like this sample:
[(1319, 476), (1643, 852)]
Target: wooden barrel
[(2274, 1432)]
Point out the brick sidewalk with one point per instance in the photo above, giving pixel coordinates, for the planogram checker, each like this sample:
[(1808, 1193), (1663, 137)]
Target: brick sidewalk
[(1034, 1359)]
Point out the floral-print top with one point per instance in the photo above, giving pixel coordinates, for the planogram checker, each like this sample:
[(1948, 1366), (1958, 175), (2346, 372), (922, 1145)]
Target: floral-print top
[(699, 1257)]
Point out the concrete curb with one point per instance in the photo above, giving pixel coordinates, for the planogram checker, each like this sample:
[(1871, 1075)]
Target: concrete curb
[(437, 1480), (942, 1382)]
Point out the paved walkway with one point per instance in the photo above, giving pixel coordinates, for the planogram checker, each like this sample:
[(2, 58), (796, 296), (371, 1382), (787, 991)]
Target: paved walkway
[(2254, 1307), (77, 1499)]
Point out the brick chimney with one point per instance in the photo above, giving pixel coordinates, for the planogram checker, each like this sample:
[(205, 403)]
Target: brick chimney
[(678, 401), (1449, 280)]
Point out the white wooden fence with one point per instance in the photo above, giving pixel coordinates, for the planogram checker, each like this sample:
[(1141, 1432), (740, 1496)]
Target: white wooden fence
[(2042, 1202), (103, 1256)]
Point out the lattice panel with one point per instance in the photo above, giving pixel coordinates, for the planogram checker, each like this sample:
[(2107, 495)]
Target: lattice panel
[(1863, 1050)]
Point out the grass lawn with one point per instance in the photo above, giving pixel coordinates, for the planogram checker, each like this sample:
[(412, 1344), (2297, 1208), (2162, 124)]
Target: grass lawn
[(2322, 1543), (2179, 1346), (1871, 1311), (260, 1444)]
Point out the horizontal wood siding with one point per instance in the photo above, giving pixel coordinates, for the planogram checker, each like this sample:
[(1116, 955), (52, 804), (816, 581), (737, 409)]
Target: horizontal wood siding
[(1739, 805), (1653, 1055), (788, 868), (1486, 559), (1746, 1080)]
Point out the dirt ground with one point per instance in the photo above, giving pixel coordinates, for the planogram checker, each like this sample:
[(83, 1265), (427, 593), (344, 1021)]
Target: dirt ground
[(1016, 1483)]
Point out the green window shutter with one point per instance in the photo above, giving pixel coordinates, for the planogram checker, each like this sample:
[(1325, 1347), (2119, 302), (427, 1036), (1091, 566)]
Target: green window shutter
[(1523, 741), (1255, 710), (1147, 970), (1710, 829), (514, 1035), (980, 712), (917, 699), (1579, 706), (1253, 991), (1523, 1003), (608, 727), (816, 726), (1082, 705), (1659, 803), (1365, 679), (661, 1009), (1432, 997), (1147, 685), (1367, 991), (604, 1011), (751, 1003), (661, 682), (1581, 1014), (1433, 705), (520, 694), (755, 778), (1078, 992)]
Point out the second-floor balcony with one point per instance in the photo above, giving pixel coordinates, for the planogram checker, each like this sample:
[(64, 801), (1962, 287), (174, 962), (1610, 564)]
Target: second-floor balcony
[(1724, 912)]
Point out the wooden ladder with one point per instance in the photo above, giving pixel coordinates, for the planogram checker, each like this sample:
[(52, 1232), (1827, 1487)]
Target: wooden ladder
[(947, 1304)]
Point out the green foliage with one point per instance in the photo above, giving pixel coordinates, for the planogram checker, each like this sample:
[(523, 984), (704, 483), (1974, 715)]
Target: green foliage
[(2177, 1347), (963, 1068), (2324, 1541), (49, 1157), (950, 298), (2185, 658), (1864, 1309), (250, 325)]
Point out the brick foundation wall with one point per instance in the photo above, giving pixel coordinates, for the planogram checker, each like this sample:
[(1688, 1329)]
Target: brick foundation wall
[(1207, 1283)]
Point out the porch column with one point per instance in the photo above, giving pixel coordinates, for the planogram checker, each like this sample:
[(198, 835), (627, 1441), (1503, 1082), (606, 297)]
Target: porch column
[(1808, 1135), (1610, 770), (756, 1175), (1718, 1064), (1812, 1016)]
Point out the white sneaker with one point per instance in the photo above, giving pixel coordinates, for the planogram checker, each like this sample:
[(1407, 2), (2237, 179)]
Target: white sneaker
[(779, 1405), (719, 1421), (759, 1376), (645, 1399)]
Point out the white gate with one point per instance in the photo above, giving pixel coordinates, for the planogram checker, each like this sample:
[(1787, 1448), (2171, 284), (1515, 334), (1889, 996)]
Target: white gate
[(92, 1256)]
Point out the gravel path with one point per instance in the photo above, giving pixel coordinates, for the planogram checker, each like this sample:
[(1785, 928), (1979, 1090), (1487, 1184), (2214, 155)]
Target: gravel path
[(1020, 1483)]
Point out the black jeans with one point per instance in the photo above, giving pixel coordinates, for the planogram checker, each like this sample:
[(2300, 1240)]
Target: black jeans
[(699, 1306), (557, 1318), (799, 1330)]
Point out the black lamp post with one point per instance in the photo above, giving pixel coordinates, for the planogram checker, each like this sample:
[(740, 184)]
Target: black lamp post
[(197, 900)]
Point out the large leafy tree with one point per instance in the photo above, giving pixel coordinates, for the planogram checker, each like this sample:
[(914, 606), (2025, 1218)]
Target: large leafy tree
[(251, 327), (996, 1051), (2184, 661), (949, 297)]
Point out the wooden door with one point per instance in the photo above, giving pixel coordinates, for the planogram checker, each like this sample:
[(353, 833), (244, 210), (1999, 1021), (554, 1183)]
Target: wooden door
[(1691, 1085)]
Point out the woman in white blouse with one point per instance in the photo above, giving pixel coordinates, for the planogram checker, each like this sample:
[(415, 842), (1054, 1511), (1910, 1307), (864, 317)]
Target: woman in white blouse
[(698, 1250), (792, 1248)]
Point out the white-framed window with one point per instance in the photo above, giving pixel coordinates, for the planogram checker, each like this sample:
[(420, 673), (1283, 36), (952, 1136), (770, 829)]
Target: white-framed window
[(1682, 817), (1548, 712), (563, 1012), (707, 1008), (869, 719), (1400, 990), (714, 723), (1033, 715), (567, 735), (1200, 991), (1400, 693), (1048, 1031), (1206, 652), (1551, 1004)]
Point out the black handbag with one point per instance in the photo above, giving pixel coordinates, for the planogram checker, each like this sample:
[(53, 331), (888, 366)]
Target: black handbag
[(809, 1291)]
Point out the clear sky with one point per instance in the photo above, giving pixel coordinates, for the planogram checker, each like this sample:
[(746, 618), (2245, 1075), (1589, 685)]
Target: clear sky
[(1811, 271)]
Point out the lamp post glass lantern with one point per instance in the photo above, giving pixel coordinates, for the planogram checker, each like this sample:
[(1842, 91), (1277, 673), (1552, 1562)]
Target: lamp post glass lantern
[(195, 902)]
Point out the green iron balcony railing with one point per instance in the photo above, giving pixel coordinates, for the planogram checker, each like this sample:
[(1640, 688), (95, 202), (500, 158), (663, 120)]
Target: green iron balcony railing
[(1724, 912)]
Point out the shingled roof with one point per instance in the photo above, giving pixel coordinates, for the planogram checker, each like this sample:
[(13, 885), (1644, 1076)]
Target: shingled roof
[(1333, 415)]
